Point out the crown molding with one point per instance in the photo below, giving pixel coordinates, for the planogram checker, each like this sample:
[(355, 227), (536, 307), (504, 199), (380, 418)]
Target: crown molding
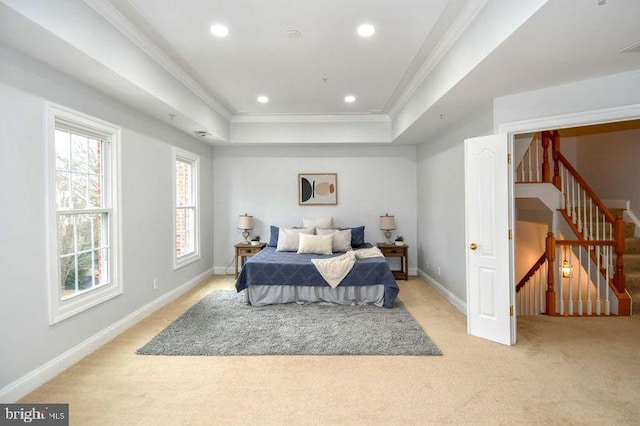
[(109, 12), (460, 24), (303, 118)]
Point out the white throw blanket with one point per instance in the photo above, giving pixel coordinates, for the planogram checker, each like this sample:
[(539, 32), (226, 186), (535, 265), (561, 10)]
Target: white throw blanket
[(334, 269)]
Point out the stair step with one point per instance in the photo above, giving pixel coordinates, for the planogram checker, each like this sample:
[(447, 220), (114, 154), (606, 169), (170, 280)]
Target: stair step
[(629, 229), (635, 299), (631, 263), (631, 245), (632, 281)]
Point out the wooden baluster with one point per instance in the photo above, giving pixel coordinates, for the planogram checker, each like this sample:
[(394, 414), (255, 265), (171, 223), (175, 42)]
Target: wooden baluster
[(589, 308), (543, 288), (546, 167), (534, 289), (573, 200), (550, 251), (580, 280), (598, 275), (571, 281), (618, 276), (607, 302), (537, 162), (529, 164), (556, 164)]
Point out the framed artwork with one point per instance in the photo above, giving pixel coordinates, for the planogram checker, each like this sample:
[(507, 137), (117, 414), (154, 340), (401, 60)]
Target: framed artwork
[(317, 189)]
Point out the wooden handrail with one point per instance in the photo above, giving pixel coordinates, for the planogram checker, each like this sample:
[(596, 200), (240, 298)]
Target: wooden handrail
[(616, 222), (610, 217), (586, 242), (532, 271)]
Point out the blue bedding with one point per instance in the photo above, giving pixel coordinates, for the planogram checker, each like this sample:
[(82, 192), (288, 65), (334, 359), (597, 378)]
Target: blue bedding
[(271, 267)]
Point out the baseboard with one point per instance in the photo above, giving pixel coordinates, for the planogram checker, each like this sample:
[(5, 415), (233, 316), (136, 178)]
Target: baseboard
[(223, 270), (31, 381), (450, 297)]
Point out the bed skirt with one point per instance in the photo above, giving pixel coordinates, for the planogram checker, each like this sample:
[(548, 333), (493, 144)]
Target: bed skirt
[(260, 295)]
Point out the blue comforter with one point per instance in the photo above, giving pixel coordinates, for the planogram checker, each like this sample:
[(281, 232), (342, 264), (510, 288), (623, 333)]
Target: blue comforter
[(271, 267)]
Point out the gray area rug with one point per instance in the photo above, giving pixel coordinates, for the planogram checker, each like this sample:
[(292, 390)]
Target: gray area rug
[(222, 324)]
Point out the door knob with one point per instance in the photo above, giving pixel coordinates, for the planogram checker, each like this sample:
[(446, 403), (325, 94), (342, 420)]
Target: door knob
[(473, 246)]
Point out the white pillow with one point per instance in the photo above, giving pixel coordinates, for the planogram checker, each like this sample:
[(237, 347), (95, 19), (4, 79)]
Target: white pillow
[(288, 239), (318, 222), (341, 239), (316, 244)]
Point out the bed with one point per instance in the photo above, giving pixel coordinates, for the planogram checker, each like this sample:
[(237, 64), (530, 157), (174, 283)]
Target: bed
[(273, 276)]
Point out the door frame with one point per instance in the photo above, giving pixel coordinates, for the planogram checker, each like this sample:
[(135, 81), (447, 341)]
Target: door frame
[(583, 118)]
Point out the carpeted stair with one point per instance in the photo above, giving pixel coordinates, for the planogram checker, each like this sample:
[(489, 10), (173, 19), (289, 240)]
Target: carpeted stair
[(632, 266), (631, 259)]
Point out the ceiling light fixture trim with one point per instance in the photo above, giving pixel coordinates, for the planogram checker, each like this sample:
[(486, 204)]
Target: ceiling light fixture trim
[(219, 30), (366, 30)]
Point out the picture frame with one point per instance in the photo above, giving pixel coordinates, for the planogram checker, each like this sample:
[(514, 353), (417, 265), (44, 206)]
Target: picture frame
[(317, 189)]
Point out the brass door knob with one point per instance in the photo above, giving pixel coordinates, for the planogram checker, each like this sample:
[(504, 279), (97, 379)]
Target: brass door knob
[(473, 246)]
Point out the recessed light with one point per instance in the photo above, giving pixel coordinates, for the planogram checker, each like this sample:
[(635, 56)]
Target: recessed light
[(263, 99), (219, 30), (366, 30), (349, 99)]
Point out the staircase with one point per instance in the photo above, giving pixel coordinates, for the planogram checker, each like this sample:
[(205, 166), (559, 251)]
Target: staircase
[(632, 265), (592, 275)]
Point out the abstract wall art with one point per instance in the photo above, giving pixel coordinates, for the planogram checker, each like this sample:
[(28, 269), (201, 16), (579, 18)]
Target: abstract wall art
[(317, 189)]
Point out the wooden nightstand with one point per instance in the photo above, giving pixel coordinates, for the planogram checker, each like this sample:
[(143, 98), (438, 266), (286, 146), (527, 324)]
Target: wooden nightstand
[(392, 250), (244, 250)]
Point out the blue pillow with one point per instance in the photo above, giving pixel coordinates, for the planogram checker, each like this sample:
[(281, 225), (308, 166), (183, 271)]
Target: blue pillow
[(357, 236), (273, 239)]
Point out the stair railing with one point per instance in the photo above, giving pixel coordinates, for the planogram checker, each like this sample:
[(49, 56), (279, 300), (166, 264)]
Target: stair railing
[(590, 219), (530, 291), (600, 233), (530, 169), (580, 287)]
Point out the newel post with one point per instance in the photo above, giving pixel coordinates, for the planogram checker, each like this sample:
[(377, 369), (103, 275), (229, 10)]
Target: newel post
[(618, 276), (546, 168), (550, 252), (555, 147)]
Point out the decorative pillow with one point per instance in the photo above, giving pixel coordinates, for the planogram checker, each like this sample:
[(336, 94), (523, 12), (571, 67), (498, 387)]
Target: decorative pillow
[(273, 240), (316, 244), (318, 222), (357, 236), (341, 238), (288, 239)]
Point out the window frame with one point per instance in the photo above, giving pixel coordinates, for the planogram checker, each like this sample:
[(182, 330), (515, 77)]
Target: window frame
[(67, 119), (187, 157)]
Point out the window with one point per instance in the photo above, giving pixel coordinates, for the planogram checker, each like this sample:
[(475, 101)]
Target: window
[(82, 155), (187, 217)]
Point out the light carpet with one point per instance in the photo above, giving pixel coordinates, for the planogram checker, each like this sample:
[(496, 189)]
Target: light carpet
[(222, 324)]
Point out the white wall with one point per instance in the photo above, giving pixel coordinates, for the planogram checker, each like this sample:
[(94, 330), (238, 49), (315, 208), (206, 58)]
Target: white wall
[(262, 181), (28, 341), (441, 214)]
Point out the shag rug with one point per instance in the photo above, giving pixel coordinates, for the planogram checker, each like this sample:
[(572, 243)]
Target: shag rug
[(223, 324)]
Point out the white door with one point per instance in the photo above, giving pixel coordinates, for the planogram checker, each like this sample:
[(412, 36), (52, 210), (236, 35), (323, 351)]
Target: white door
[(487, 192)]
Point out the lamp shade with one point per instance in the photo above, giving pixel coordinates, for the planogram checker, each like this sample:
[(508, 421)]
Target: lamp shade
[(387, 222), (245, 222)]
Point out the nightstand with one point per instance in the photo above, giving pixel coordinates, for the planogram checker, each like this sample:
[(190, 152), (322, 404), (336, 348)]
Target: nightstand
[(243, 251), (392, 250)]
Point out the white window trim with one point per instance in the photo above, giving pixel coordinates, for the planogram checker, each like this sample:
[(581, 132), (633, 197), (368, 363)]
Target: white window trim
[(179, 154), (62, 309)]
